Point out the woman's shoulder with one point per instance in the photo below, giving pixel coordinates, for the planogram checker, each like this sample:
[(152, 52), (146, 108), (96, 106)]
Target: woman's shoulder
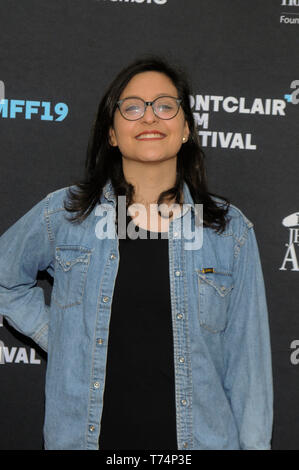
[(237, 221), (55, 199)]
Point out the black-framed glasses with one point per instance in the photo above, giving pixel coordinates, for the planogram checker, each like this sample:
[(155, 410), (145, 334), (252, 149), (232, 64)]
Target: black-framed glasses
[(164, 107)]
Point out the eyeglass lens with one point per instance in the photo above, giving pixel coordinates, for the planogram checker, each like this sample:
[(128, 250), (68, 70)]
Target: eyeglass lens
[(165, 107)]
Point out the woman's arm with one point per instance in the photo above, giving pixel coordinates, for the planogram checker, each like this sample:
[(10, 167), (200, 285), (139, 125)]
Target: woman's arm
[(25, 249), (248, 378)]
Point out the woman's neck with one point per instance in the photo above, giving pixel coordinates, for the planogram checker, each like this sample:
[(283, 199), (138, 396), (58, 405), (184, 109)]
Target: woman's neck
[(149, 179)]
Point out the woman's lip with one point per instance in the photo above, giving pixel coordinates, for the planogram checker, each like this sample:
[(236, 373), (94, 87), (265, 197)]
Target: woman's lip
[(153, 135)]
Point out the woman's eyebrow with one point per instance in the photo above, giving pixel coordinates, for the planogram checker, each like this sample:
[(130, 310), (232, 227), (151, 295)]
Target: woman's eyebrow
[(156, 96)]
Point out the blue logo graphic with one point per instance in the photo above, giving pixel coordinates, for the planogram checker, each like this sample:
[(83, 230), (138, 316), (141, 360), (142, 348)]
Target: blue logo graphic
[(293, 97), (45, 110)]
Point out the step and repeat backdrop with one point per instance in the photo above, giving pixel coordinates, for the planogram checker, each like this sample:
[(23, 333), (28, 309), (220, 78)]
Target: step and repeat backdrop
[(58, 57)]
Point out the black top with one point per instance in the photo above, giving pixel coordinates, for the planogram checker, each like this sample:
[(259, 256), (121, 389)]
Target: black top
[(139, 395)]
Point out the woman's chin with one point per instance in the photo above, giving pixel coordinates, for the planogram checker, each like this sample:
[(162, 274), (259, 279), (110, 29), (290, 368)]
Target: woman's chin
[(150, 157)]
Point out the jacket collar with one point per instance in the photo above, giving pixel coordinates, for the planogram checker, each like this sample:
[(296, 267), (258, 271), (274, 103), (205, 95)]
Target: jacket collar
[(108, 196)]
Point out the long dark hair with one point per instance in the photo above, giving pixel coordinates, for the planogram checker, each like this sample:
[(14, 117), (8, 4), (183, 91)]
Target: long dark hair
[(104, 162)]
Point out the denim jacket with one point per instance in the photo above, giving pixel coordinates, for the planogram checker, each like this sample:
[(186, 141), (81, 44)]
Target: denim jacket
[(222, 359)]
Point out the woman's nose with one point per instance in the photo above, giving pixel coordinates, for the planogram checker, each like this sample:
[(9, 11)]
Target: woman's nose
[(149, 115)]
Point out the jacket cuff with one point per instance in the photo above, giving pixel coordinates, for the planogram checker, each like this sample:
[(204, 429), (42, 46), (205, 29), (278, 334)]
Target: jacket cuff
[(41, 337)]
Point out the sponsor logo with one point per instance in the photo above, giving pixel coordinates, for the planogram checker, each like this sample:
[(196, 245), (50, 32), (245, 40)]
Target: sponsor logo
[(44, 110), (290, 261), (2, 91), (290, 3), (293, 97), (203, 105), (288, 17), (294, 357), (148, 2)]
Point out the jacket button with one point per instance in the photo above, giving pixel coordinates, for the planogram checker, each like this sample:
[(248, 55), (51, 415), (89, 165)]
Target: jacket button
[(178, 273), (100, 341), (112, 256), (105, 299), (96, 385), (182, 359), (91, 428), (184, 402), (179, 316)]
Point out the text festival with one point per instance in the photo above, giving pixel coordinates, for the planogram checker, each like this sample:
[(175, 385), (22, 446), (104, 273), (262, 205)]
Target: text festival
[(202, 105)]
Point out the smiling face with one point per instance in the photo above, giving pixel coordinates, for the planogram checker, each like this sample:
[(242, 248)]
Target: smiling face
[(149, 138)]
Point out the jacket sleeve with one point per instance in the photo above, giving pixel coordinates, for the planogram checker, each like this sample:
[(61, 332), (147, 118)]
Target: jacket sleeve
[(247, 352), (25, 249)]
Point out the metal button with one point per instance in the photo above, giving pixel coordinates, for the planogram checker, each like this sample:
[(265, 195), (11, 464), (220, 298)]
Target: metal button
[(179, 316), (178, 273), (182, 359), (105, 299), (222, 288), (100, 341), (91, 428), (112, 256), (185, 445), (184, 402), (67, 263), (96, 385)]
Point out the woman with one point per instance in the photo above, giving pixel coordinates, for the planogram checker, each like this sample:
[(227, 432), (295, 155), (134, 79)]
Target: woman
[(153, 342)]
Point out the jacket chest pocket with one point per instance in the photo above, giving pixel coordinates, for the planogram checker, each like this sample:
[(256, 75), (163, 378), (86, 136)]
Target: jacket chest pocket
[(71, 266), (214, 294)]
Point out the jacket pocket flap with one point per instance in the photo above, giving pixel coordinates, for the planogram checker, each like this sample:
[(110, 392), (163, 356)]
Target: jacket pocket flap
[(220, 280), (68, 256)]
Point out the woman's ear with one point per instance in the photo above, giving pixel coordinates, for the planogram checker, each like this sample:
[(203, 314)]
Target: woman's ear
[(186, 132), (112, 137)]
